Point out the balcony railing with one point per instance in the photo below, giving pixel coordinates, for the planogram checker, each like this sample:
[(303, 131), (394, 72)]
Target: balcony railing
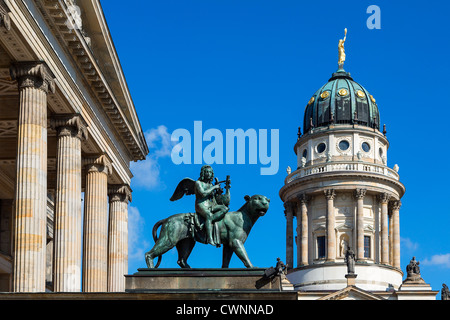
[(342, 167)]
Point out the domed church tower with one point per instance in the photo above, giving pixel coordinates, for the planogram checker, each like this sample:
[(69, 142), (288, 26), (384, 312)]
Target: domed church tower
[(342, 193)]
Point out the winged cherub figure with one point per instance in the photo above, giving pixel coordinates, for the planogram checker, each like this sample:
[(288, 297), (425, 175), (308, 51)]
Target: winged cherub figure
[(208, 201)]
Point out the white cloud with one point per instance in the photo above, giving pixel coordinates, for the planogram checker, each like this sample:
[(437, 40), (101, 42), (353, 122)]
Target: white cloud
[(159, 139), (136, 245), (147, 172), (438, 260), (408, 244)]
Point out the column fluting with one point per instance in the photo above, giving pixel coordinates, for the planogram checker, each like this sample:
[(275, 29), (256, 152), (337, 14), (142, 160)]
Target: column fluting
[(30, 213), (95, 230), (68, 219), (119, 196)]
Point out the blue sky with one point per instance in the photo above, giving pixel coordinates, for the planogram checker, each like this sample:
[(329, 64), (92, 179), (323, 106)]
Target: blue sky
[(255, 64)]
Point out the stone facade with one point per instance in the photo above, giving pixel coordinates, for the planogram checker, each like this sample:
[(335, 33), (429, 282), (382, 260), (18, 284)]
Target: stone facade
[(68, 128)]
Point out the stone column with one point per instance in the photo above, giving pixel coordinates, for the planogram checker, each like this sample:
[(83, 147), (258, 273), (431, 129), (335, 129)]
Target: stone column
[(71, 130), (384, 199), (95, 237), (330, 194), (302, 223), (289, 234), (119, 196), (396, 233), (35, 80), (391, 238), (359, 194)]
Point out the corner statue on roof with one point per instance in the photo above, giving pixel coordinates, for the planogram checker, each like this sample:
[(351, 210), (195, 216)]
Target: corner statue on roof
[(212, 222)]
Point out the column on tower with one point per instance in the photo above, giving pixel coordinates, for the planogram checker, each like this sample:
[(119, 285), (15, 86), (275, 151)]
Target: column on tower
[(95, 233), (384, 200), (391, 236), (289, 234), (302, 226), (330, 194), (359, 194), (396, 233), (119, 196), (71, 130), (35, 81)]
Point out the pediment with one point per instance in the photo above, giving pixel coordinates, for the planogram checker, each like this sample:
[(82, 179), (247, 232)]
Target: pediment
[(351, 293)]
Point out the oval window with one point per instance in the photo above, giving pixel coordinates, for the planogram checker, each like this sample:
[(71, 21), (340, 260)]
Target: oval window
[(365, 146), (344, 145), (321, 147)]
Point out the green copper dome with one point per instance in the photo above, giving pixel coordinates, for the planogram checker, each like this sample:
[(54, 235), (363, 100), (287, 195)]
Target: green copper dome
[(341, 101)]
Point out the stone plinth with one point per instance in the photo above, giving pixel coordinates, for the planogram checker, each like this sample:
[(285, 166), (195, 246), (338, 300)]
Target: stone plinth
[(351, 279), (148, 280), (416, 290)]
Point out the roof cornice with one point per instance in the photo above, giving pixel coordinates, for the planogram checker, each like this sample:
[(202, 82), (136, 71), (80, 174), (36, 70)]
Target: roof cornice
[(56, 14)]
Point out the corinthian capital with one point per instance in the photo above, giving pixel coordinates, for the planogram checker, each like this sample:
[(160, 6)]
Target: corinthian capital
[(119, 192), (384, 197), (395, 205), (303, 198), (34, 74), (70, 124), (330, 194), (360, 193)]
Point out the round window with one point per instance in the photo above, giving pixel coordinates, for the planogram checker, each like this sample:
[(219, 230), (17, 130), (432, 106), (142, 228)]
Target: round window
[(365, 146), (321, 147), (344, 145)]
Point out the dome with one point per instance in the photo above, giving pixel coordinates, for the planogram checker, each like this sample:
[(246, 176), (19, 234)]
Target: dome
[(341, 101)]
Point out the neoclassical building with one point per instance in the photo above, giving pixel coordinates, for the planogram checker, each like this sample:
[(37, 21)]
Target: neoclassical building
[(68, 129), (343, 196)]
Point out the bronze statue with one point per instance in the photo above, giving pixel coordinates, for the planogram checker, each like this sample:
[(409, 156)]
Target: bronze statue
[(211, 223)]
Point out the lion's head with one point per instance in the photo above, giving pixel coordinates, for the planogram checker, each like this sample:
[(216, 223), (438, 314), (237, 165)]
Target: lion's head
[(257, 204)]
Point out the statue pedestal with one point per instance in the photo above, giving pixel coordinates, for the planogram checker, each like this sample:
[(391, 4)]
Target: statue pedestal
[(151, 280), (351, 279), (418, 290)]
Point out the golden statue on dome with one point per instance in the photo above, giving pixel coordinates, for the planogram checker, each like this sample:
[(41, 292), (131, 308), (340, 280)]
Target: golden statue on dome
[(342, 50)]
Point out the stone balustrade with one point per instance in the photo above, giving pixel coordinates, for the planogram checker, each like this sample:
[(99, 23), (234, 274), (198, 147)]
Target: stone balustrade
[(347, 166)]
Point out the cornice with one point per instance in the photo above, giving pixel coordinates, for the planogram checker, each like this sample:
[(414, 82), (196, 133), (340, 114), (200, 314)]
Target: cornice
[(356, 176), (56, 14)]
